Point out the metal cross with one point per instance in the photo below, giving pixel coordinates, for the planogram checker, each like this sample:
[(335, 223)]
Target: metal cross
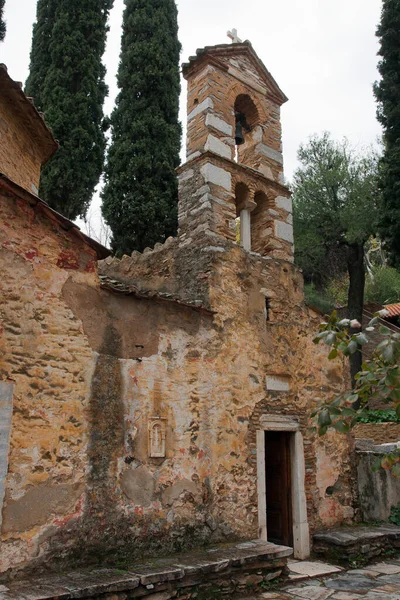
[(234, 36)]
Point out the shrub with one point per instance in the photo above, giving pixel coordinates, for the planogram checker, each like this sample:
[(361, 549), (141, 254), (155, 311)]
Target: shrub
[(384, 288), (378, 416), (320, 299)]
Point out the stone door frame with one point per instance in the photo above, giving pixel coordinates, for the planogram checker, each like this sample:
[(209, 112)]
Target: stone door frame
[(301, 534)]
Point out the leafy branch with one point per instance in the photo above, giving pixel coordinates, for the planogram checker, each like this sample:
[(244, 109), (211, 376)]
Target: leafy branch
[(379, 378)]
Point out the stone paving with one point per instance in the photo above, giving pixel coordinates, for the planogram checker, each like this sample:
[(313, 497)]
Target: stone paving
[(380, 581)]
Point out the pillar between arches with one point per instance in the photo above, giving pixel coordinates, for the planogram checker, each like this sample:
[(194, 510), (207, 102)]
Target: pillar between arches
[(245, 210)]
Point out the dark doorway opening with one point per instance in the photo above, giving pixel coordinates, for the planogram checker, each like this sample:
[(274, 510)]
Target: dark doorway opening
[(278, 487)]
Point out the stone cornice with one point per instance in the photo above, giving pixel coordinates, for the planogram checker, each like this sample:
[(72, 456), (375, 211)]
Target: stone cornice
[(234, 167)]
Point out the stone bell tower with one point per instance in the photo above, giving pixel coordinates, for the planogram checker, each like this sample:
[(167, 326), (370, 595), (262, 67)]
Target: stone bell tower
[(230, 91)]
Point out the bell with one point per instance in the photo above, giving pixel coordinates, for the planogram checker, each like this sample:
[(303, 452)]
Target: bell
[(239, 138)]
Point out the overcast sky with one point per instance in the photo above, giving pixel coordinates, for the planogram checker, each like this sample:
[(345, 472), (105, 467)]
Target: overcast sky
[(322, 53)]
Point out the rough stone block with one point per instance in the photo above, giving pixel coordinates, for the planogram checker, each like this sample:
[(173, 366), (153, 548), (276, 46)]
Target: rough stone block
[(220, 124), (277, 384), (215, 145), (217, 176), (284, 231), (185, 175), (205, 105), (271, 153), (284, 203)]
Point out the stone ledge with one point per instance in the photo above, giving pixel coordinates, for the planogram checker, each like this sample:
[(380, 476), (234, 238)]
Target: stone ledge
[(348, 543), (233, 567)]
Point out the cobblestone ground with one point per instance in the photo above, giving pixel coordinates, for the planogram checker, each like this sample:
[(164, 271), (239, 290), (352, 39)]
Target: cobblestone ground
[(379, 581)]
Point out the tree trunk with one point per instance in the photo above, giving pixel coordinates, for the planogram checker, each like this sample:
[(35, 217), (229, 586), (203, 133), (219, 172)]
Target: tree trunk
[(355, 298)]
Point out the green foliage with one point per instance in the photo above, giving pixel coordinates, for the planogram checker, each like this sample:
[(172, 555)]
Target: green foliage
[(318, 298), (2, 22), (337, 289), (335, 201), (387, 93), (395, 514), (379, 378), (384, 286), (378, 416), (67, 82), (335, 213), (140, 194)]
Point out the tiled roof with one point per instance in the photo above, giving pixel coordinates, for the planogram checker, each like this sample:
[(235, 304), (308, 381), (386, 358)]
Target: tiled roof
[(42, 206), (393, 309), (221, 50)]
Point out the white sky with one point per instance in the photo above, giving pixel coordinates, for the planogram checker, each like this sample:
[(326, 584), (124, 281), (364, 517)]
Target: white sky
[(322, 54)]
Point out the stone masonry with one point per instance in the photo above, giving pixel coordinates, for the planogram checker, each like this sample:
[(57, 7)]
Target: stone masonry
[(26, 143)]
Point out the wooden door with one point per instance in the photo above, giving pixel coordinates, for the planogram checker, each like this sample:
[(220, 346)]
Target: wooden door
[(278, 488)]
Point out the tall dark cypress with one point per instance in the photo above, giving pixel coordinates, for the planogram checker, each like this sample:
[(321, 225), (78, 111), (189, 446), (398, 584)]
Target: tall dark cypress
[(67, 82), (40, 50), (2, 22), (387, 93), (140, 193)]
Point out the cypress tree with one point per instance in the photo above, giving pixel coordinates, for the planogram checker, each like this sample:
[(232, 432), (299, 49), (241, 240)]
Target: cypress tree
[(2, 22), (40, 51), (67, 82), (387, 93), (140, 193)]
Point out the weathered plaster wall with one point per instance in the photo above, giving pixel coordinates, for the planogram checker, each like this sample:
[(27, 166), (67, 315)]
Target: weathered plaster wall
[(91, 367), (222, 381), (43, 351)]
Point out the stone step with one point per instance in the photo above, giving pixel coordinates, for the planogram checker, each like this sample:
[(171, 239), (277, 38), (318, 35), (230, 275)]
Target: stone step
[(229, 569)]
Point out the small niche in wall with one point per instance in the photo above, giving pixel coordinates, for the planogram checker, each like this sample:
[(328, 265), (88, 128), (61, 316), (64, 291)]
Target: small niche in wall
[(157, 435)]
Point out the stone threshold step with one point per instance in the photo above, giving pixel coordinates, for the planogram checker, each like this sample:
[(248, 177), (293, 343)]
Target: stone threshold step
[(227, 563)]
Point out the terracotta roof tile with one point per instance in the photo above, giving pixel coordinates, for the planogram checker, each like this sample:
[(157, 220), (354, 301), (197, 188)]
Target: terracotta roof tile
[(393, 309)]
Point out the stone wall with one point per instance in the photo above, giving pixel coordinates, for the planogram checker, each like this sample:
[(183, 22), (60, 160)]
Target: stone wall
[(378, 490), (43, 351), (241, 350), (20, 159), (95, 368), (139, 395), (379, 433)]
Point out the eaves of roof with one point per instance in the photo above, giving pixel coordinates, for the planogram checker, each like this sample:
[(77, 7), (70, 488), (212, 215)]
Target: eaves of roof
[(33, 120), (222, 50), (42, 207), (393, 309)]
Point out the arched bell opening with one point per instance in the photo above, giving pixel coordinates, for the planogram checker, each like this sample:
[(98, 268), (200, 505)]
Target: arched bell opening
[(261, 223), (246, 120), (244, 206)]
